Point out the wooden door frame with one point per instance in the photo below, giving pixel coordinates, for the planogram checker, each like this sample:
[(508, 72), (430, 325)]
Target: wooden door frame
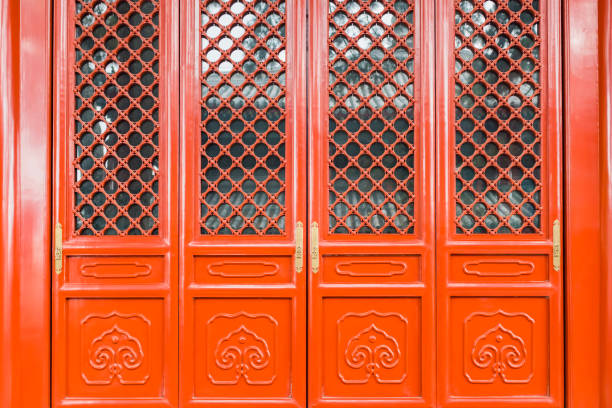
[(25, 188)]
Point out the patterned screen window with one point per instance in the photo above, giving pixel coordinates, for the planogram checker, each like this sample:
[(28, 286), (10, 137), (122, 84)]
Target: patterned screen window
[(371, 117), (497, 117), (116, 135), (242, 117)]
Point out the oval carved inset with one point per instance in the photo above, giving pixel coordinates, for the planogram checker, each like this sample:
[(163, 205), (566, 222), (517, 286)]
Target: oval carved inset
[(499, 268), (115, 270), (498, 347), (243, 269), (371, 268)]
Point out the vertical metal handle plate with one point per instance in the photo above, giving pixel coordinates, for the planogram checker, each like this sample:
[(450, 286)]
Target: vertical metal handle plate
[(58, 250), (556, 245), (314, 247), (299, 246)]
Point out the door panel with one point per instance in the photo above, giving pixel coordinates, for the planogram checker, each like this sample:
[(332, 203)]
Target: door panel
[(243, 327), (371, 322), (115, 299), (500, 310)]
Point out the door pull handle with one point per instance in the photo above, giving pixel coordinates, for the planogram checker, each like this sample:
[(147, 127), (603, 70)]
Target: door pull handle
[(314, 247), (58, 249), (299, 247)]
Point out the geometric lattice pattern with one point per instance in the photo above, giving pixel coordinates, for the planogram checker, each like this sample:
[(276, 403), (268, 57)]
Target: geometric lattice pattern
[(371, 117), (116, 137), (243, 117), (497, 117)]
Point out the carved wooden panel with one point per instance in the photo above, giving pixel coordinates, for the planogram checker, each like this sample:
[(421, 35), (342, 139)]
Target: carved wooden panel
[(243, 348), (121, 270), (372, 347), (371, 268), (499, 347), (487, 268), (242, 270), (115, 348)]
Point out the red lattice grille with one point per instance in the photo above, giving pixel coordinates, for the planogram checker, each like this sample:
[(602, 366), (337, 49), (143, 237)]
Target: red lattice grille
[(243, 117), (116, 117), (497, 116), (371, 117)]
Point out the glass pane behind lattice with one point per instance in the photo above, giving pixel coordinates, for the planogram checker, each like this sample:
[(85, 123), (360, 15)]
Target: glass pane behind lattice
[(243, 117), (116, 136), (497, 117), (371, 117)]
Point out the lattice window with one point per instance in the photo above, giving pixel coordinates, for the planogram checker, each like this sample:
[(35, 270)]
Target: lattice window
[(371, 117), (116, 139), (497, 116), (243, 117)]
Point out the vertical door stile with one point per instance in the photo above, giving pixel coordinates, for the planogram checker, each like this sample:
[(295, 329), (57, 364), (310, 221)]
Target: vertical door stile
[(243, 310), (499, 276), (371, 315), (115, 304)]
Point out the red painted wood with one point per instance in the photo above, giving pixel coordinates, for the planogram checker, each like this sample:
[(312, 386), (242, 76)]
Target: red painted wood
[(115, 304), (484, 313), (582, 203), (605, 122), (25, 233), (243, 308), (25, 145)]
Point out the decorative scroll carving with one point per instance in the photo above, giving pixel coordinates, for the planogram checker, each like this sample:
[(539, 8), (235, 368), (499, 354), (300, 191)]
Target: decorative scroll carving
[(373, 349), (245, 349), (498, 346), (370, 348), (114, 349)]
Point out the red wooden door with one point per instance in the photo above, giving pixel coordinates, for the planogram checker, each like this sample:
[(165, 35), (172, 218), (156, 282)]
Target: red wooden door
[(243, 279), (496, 337), (499, 272), (115, 303), (419, 222), (372, 322)]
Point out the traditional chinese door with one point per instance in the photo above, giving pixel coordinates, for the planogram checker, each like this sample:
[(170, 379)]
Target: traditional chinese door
[(115, 292), (396, 174), (436, 272)]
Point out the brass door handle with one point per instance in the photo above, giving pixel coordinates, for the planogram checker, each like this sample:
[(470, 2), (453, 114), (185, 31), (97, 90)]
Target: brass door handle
[(58, 249), (299, 246), (314, 247), (556, 245)]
